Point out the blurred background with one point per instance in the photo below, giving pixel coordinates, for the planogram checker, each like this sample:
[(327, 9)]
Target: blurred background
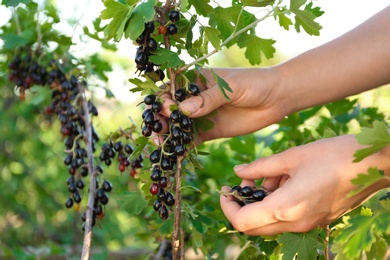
[(33, 219)]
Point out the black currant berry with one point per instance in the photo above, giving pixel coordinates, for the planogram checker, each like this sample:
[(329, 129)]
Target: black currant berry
[(193, 89), (157, 126), (118, 146), (105, 199), (170, 199), (128, 149), (80, 184), (163, 183), (161, 194), (166, 164), (69, 203), (157, 205), (163, 212), (141, 58), (175, 116), (160, 74), (77, 197), (68, 159), (156, 174), (246, 191), (186, 122), (236, 188), (180, 94), (149, 27), (172, 29), (146, 131), (155, 156), (151, 44), (156, 107), (149, 99), (107, 186), (174, 16), (180, 150), (259, 195)]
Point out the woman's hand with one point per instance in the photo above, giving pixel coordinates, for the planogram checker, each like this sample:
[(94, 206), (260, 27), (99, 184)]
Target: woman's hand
[(254, 103), (310, 184)]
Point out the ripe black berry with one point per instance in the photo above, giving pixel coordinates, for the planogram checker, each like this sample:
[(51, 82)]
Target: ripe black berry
[(149, 27), (174, 16), (157, 205), (155, 156), (107, 186), (166, 164), (172, 29), (259, 195), (163, 183), (157, 126), (77, 197), (151, 44), (180, 94), (161, 194), (69, 203), (246, 191), (163, 212), (146, 131), (128, 149), (175, 116), (193, 89), (237, 188), (160, 74), (180, 150), (170, 199), (105, 199), (149, 99), (156, 174)]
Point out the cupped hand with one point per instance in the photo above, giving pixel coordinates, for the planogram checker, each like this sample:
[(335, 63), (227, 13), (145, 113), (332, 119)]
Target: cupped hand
[(310, 184), (254, 103)]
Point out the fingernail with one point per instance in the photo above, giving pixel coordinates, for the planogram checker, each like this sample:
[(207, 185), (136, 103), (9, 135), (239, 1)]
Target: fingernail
[(190, 106), (240, 167)]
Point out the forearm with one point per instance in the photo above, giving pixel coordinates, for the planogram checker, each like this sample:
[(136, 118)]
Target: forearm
[(353, 63)]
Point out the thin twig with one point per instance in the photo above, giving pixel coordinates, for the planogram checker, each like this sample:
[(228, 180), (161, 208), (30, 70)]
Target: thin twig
[(17, 22), (242, 249), (161, 250), (327, 235), (176, 226), (92, 186)]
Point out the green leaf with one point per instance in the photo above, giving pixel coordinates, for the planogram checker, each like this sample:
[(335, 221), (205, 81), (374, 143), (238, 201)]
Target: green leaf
[(141, 141), (365, 180), (360, 233), (15, 2), (224, 19), (306, 20), (133, 202), (376, 138), (120, 14), (203, 123), (304, 245), (296, 4), (222, 84), (147, 86), (284, 21), (141, 14), (165, 56), (202, 7), (255, 46), (212, 35), (13, 40), (256, 3)]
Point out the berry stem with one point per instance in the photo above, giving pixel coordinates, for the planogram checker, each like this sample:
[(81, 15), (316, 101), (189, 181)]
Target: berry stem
[(176, 226), (92, 186)]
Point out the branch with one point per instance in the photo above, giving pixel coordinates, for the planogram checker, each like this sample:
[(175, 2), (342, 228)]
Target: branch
[(176, 226), (92, 184)]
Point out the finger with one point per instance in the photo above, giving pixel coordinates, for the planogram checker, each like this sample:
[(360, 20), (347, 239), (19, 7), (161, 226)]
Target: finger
[(271, 166), (271, 183), (165, 108), (250, 216), (203, 104), (277, 228)]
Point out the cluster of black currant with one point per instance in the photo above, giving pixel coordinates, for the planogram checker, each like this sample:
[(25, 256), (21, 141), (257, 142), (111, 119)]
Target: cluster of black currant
[(148, 45), (247, 194), (25, 71), (163, 159), (110, 149)]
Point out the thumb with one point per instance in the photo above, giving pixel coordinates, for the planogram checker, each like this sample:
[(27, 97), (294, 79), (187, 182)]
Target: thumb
[(271, 166), (203, 104)]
